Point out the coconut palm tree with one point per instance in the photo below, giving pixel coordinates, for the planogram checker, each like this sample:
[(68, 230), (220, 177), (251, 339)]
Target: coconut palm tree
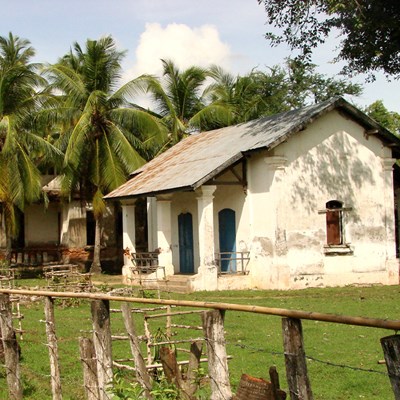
[(182, 100), (242, 95), (21, 146), (103, 136)]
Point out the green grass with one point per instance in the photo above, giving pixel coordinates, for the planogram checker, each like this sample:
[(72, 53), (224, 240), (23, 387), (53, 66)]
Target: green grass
[(254, 341)]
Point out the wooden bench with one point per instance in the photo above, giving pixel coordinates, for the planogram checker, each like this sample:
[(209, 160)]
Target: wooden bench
[(146, 263), (7, 278), (67, 276)]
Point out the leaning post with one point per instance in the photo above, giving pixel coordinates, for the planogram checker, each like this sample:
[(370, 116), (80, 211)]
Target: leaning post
[(391, 350)]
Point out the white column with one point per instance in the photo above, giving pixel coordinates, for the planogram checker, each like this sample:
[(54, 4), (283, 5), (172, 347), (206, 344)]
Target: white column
[(128, 231), (164, 233), (205, 211), (389, 206), (152, 223), (392, 264)]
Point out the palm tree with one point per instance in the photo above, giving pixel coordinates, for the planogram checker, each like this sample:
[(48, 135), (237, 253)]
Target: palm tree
[(182, 100), (242, 95), (103, 136), (21, 147), (279, 89)]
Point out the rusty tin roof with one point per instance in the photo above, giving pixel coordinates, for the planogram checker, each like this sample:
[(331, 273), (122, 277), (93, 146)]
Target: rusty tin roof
[(200, 157)]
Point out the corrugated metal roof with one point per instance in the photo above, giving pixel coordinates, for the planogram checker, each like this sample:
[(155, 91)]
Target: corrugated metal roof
[(198, 158)]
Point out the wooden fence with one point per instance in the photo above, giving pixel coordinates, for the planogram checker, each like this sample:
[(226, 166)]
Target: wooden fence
[(97, 355)]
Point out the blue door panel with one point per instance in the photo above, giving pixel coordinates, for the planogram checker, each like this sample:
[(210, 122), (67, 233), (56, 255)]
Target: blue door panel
[(227, 239), (185, 226)]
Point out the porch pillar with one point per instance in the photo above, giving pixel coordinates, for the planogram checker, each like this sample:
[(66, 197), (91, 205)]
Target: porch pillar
[(392, 265), (152, 223), (164, 233), (128, 233), (389, 204), (205, 209)]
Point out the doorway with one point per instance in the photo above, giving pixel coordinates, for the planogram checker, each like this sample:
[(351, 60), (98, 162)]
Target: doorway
[(185, 226), (227, 239)]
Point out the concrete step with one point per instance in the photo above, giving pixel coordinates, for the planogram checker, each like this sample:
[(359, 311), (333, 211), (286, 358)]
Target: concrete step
[(174, 283)]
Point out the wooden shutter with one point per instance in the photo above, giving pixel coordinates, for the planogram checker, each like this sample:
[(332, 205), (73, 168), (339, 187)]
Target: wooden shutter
[(333, 227)]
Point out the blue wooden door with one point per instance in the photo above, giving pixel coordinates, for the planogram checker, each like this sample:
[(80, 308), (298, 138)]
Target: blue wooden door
[(185, 224), (227, 239)]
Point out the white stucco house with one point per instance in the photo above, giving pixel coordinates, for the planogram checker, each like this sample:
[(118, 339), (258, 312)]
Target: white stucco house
[(300, 199)]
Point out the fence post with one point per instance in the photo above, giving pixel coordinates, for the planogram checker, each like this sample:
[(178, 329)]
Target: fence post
[(141, 371), (190, 385), (11, 349), (102, 344), (88, 358), (213, 327), (295, 360), (53, 348), (391, 350)]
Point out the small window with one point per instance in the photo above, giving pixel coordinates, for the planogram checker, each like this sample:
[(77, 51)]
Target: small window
[(334, 223)]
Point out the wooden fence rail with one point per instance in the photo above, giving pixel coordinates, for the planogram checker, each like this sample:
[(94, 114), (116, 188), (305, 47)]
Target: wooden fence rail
[(282, 312), (96, 354)]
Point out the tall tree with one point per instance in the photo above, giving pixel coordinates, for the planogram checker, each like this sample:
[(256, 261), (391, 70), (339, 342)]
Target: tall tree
[(369, 30), (279, 89), (181, 100), (21, 147), (103, 136), (242, 96), (389, 119)]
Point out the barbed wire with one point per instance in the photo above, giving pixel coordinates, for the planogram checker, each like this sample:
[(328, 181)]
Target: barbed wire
[(311, 358)]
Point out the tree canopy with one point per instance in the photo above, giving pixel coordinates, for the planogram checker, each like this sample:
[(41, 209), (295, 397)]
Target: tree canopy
[(278, 89), (101, 134), (389, 119), (369, 30), (22, 147)]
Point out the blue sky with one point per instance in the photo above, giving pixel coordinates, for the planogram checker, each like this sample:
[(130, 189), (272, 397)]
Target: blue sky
[(225, 32)]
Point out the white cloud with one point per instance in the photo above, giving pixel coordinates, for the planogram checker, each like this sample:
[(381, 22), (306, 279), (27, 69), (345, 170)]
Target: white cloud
[(184, 45)]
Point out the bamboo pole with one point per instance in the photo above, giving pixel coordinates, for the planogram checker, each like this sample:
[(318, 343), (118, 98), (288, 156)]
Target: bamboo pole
[(11, 351), (53, 348), (282, 312), (169, 322)]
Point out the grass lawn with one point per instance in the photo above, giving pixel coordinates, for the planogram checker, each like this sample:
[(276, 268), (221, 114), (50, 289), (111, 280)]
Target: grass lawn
[(342, 359)]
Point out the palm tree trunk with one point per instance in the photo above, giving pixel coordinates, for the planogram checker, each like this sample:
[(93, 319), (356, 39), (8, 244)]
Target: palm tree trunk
[(96, 264), (8, 231), (8, 248)]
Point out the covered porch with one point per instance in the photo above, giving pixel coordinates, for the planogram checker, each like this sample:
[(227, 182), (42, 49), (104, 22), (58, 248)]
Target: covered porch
[(191, 237)]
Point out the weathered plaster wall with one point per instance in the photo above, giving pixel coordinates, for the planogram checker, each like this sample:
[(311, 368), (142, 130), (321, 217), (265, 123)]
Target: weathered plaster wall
[(330, 160), (42, 226), (73, 231)]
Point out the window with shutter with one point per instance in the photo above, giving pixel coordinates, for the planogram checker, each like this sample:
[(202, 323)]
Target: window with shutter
[(335, 235), (334, 222)]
